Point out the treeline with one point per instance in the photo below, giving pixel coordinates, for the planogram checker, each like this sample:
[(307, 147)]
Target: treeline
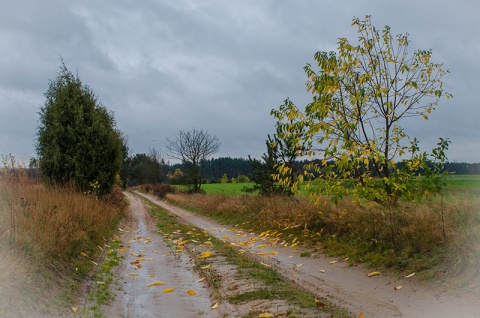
[(149, 168)]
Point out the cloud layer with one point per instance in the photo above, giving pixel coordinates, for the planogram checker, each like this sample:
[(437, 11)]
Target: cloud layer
[(165, 66)]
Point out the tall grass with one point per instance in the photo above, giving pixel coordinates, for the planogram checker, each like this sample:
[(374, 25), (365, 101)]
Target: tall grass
[(441, 233), (49, 237)]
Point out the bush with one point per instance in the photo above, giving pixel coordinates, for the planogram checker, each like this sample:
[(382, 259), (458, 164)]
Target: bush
[(161, 190)]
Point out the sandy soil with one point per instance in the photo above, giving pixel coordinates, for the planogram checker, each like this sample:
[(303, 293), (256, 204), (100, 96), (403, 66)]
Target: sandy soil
[(348, 287), (148, 260)]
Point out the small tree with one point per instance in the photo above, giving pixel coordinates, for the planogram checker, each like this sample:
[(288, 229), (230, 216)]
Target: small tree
[(361, 95), (193, 148), (77, 140), (264, 172)]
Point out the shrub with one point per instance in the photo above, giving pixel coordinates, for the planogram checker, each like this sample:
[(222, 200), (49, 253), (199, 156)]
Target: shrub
[(161, 190)]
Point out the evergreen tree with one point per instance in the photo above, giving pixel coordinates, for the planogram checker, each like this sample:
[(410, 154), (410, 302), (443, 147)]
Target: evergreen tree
[(77, 139)]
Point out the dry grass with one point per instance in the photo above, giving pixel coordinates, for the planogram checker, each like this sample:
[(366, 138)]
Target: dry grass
[(50, 235)]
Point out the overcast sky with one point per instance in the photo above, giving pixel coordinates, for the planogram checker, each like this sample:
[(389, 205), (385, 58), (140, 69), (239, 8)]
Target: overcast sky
[(221, 66)]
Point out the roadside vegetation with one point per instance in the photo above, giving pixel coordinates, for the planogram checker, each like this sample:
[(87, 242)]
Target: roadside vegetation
[(53, 238), (436, 238)]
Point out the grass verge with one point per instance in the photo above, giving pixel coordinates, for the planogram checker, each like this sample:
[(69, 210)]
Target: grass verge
[(51, 235)]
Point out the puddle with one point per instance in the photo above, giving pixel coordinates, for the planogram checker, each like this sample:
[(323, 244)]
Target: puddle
[(148, 269)]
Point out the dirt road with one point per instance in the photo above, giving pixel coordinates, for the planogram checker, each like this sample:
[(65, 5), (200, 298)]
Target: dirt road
[(149, 269), (346, 286)]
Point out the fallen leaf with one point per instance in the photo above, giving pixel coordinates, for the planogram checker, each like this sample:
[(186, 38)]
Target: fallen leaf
[(319, 303), (265, 315), (398, 287), (205, 254), (168, 290), (361, 315), (205, 267), (134, 274), (157, 283), (191, 292), (214, 306), (410, 275), (83, 254), (74, 309), (123, 250), (274, 252), (151, 275), (373, 274), (322, 271), (333, 262)]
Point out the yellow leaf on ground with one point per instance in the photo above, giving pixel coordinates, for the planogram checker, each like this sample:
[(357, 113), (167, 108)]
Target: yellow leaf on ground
[(134, 274), (274, 252), (83, 254), (214, 306), (191, 292), (157, 283), (265, 315), (168, 290), (398, 287), (361, 315), (333, 262), (322, 271), (205, 254), (205, 267), (373, 274), (208, 243), (201, 279), (74, 309), (410, 275)]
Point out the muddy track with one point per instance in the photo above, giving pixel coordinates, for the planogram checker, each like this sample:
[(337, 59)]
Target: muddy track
[(148, 261), (347, 287)]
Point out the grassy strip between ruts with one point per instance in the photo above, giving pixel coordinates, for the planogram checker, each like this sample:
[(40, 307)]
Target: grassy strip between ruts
[(210, 254)]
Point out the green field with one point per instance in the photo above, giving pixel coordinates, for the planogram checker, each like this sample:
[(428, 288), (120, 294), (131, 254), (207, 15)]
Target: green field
[(224, 188), (465, 180)]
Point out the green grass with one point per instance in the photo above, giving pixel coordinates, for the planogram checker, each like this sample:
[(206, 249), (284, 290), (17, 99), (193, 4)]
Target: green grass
[(464, 180), (223, 188)]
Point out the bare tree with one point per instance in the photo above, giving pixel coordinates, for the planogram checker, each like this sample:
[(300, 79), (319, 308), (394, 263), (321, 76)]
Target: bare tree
[(193, 148)]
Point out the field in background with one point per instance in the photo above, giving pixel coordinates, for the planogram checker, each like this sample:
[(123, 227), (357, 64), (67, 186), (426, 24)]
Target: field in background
[(469, 181), (464, 180), (223, 188)]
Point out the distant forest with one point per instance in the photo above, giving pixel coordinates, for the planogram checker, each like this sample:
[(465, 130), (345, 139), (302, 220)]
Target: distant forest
[(141, 168), (216, 168)]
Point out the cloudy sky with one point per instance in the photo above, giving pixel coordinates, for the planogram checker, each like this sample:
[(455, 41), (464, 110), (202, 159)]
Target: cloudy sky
[(218, 65)]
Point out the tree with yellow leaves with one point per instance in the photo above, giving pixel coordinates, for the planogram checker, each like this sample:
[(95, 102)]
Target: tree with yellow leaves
[(361, 95)]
